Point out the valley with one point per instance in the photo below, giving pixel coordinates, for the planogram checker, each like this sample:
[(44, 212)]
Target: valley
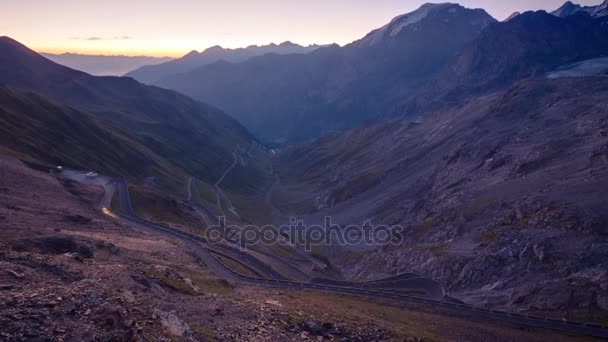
[(441, 178)]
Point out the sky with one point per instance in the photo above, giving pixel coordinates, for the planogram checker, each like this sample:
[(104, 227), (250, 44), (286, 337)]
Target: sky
[(173, 28)]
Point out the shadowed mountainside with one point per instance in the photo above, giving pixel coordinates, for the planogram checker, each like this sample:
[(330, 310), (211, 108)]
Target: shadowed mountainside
[(194, 137), (150, 74), (295, 97), (531, 44), (36, 128), (499, 197)]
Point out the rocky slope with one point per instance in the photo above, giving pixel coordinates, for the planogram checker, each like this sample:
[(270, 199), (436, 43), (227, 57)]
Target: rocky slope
[(569, 8), (529, 45), (499, 198), (296, 97), (69, 273)]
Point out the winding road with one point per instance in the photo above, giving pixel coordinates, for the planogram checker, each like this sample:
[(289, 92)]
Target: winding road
[(220, 194), (197, 244)]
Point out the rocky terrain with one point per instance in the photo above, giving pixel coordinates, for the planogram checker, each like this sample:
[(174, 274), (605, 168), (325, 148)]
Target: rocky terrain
[(70, 273), (486, 142), (499, 198)]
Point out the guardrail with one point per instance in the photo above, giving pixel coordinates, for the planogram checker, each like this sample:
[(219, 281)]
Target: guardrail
[(591, 329), (541, 322)]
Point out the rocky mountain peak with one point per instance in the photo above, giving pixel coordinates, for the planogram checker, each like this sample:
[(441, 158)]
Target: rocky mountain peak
[(411, 19), (570, 8), (513, 15), (601, 10)]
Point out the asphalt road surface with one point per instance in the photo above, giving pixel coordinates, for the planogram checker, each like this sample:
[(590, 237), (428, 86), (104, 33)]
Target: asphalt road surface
[(221, 270)]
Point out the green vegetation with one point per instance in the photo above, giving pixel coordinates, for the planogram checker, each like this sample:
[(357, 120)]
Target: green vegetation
[(207, 284), (480, 203), (282, 251), (406, 324), (235, 266), (114, 203), (488, 235), (177, 285), (40, 129), (158, 207), (202, 332), (423, 228), (251, 208)]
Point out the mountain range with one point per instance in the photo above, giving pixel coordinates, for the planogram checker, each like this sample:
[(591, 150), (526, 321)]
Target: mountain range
[(389, 71), (295, 97), (529, 45), (100, 65), (151, 74), (182, 135), (464, 131), (569, 8)]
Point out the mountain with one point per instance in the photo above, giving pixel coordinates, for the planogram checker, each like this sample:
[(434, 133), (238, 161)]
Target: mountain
[(531, 44), (193, 137), (570, 8), (602, 10), (500, 199), (39, 129), (513, 15), (151, 74), (104, 65), (296, 97)]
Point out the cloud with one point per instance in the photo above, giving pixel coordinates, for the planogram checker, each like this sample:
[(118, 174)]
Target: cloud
[(102, 38)]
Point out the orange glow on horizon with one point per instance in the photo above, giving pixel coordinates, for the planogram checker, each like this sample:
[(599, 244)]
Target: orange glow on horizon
[(160, 29)]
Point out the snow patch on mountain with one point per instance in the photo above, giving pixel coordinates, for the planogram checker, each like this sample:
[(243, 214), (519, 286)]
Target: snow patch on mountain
[(401, 22)]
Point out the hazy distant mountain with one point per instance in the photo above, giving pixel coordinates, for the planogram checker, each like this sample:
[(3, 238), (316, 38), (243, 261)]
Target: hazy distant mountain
[(152, 73), (513, 15), (294, 97), (104, 65), (570, 8), (186, 135)]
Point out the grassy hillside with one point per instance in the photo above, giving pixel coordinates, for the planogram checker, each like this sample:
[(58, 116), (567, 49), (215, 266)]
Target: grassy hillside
[(40, 129)]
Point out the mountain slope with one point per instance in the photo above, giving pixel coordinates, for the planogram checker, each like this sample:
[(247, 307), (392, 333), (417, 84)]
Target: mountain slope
[(192, 136), (501, 200), (531, 44), (35, 127), (151, 74), (570, 8), (103, 65), (296, 97)]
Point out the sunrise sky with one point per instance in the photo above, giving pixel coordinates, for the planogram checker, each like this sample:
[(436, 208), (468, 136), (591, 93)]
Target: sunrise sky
[(172, 28)]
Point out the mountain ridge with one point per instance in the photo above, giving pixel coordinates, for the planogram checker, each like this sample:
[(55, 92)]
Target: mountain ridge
[(103, 65), (531, 44), (333, 88), (195, 59), (197, 138), (570, 8)]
